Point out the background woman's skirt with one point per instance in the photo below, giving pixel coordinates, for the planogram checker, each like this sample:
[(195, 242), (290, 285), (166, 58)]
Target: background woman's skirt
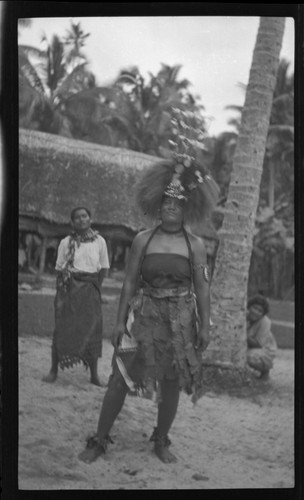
[(78, 321)]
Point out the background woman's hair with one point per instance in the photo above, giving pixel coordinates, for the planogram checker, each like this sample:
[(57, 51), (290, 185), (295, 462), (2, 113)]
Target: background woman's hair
[(73, 212), (260, 301)]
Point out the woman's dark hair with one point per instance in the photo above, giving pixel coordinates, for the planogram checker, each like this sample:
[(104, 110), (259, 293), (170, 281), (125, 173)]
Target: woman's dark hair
[(260, 301), (80, 208), (154, 181)]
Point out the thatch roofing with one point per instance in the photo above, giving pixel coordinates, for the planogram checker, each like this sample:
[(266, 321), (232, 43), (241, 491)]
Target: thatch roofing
[(57, 173)]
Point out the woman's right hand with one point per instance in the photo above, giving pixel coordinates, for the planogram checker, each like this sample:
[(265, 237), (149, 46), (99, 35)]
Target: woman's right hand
[(117, 334)]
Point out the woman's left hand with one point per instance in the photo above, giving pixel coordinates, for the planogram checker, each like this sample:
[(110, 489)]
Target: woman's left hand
[(203, 339)]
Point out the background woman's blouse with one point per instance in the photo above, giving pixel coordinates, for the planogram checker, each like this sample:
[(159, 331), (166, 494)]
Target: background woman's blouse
[(90, 256)]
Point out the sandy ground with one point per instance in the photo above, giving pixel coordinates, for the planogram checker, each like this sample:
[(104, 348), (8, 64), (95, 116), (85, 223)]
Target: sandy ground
[(223, 442)]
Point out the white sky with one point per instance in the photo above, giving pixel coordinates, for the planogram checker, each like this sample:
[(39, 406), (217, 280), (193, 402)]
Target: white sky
[(215, 52)]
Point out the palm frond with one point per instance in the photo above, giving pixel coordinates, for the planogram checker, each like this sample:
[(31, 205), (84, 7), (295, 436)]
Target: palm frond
[(183, 84), (57, 68), (72, 83), (28, 50), (234, 107), (234, 122), (30, 101), (242, 85), (127, 78), (28, 71), (76, 35), (75, 55)]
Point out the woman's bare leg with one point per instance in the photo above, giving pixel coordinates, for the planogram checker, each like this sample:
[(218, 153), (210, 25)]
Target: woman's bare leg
[(52, 375), (112, 404), (93, 365), (111, 407), (166, 414)]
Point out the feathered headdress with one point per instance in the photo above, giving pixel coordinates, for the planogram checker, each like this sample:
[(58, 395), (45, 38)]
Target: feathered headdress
[(183, 176)]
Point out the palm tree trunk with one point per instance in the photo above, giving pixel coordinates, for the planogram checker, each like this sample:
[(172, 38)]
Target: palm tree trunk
[(229, 291)]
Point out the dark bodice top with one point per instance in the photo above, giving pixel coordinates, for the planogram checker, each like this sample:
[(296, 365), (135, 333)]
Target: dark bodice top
[(166, 270)]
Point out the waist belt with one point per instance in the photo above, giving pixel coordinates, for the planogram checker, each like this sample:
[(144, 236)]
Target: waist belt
[(160, 293)]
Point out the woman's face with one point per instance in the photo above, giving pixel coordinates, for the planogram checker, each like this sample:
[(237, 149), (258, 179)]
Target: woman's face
[(81, 220), (255, 312), (172, 210)]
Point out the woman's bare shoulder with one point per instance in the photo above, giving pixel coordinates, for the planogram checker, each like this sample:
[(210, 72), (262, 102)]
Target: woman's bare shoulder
[(196, 241), (142, 237)]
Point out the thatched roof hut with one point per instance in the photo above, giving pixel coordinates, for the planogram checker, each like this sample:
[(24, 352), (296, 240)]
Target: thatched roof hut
[(57, 174)]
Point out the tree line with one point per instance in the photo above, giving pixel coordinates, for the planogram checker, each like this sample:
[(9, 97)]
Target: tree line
[(59, 95)]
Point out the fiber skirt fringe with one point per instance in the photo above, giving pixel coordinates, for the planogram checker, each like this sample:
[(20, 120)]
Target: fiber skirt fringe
[(160, 343)]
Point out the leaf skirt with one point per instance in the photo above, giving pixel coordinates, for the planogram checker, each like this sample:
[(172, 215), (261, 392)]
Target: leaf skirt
[(160, 344)]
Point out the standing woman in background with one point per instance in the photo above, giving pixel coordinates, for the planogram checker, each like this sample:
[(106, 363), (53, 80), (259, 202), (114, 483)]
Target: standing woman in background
[(163, 315), (81, 265)]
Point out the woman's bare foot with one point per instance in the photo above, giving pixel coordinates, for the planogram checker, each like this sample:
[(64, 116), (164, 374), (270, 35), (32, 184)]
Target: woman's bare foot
[(96, 381), (94, 449), (161, 449), (89, 455), (50, 378)]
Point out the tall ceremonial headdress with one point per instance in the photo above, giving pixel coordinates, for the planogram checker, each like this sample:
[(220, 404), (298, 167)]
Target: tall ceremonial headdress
[(183, 177)]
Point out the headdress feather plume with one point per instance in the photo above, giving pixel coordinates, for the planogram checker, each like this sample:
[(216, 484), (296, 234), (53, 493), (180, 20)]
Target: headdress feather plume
[(183, 176)]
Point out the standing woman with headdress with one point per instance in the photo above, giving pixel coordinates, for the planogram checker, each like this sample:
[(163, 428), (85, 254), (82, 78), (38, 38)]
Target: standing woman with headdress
[(163, 315), (82, 262)]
